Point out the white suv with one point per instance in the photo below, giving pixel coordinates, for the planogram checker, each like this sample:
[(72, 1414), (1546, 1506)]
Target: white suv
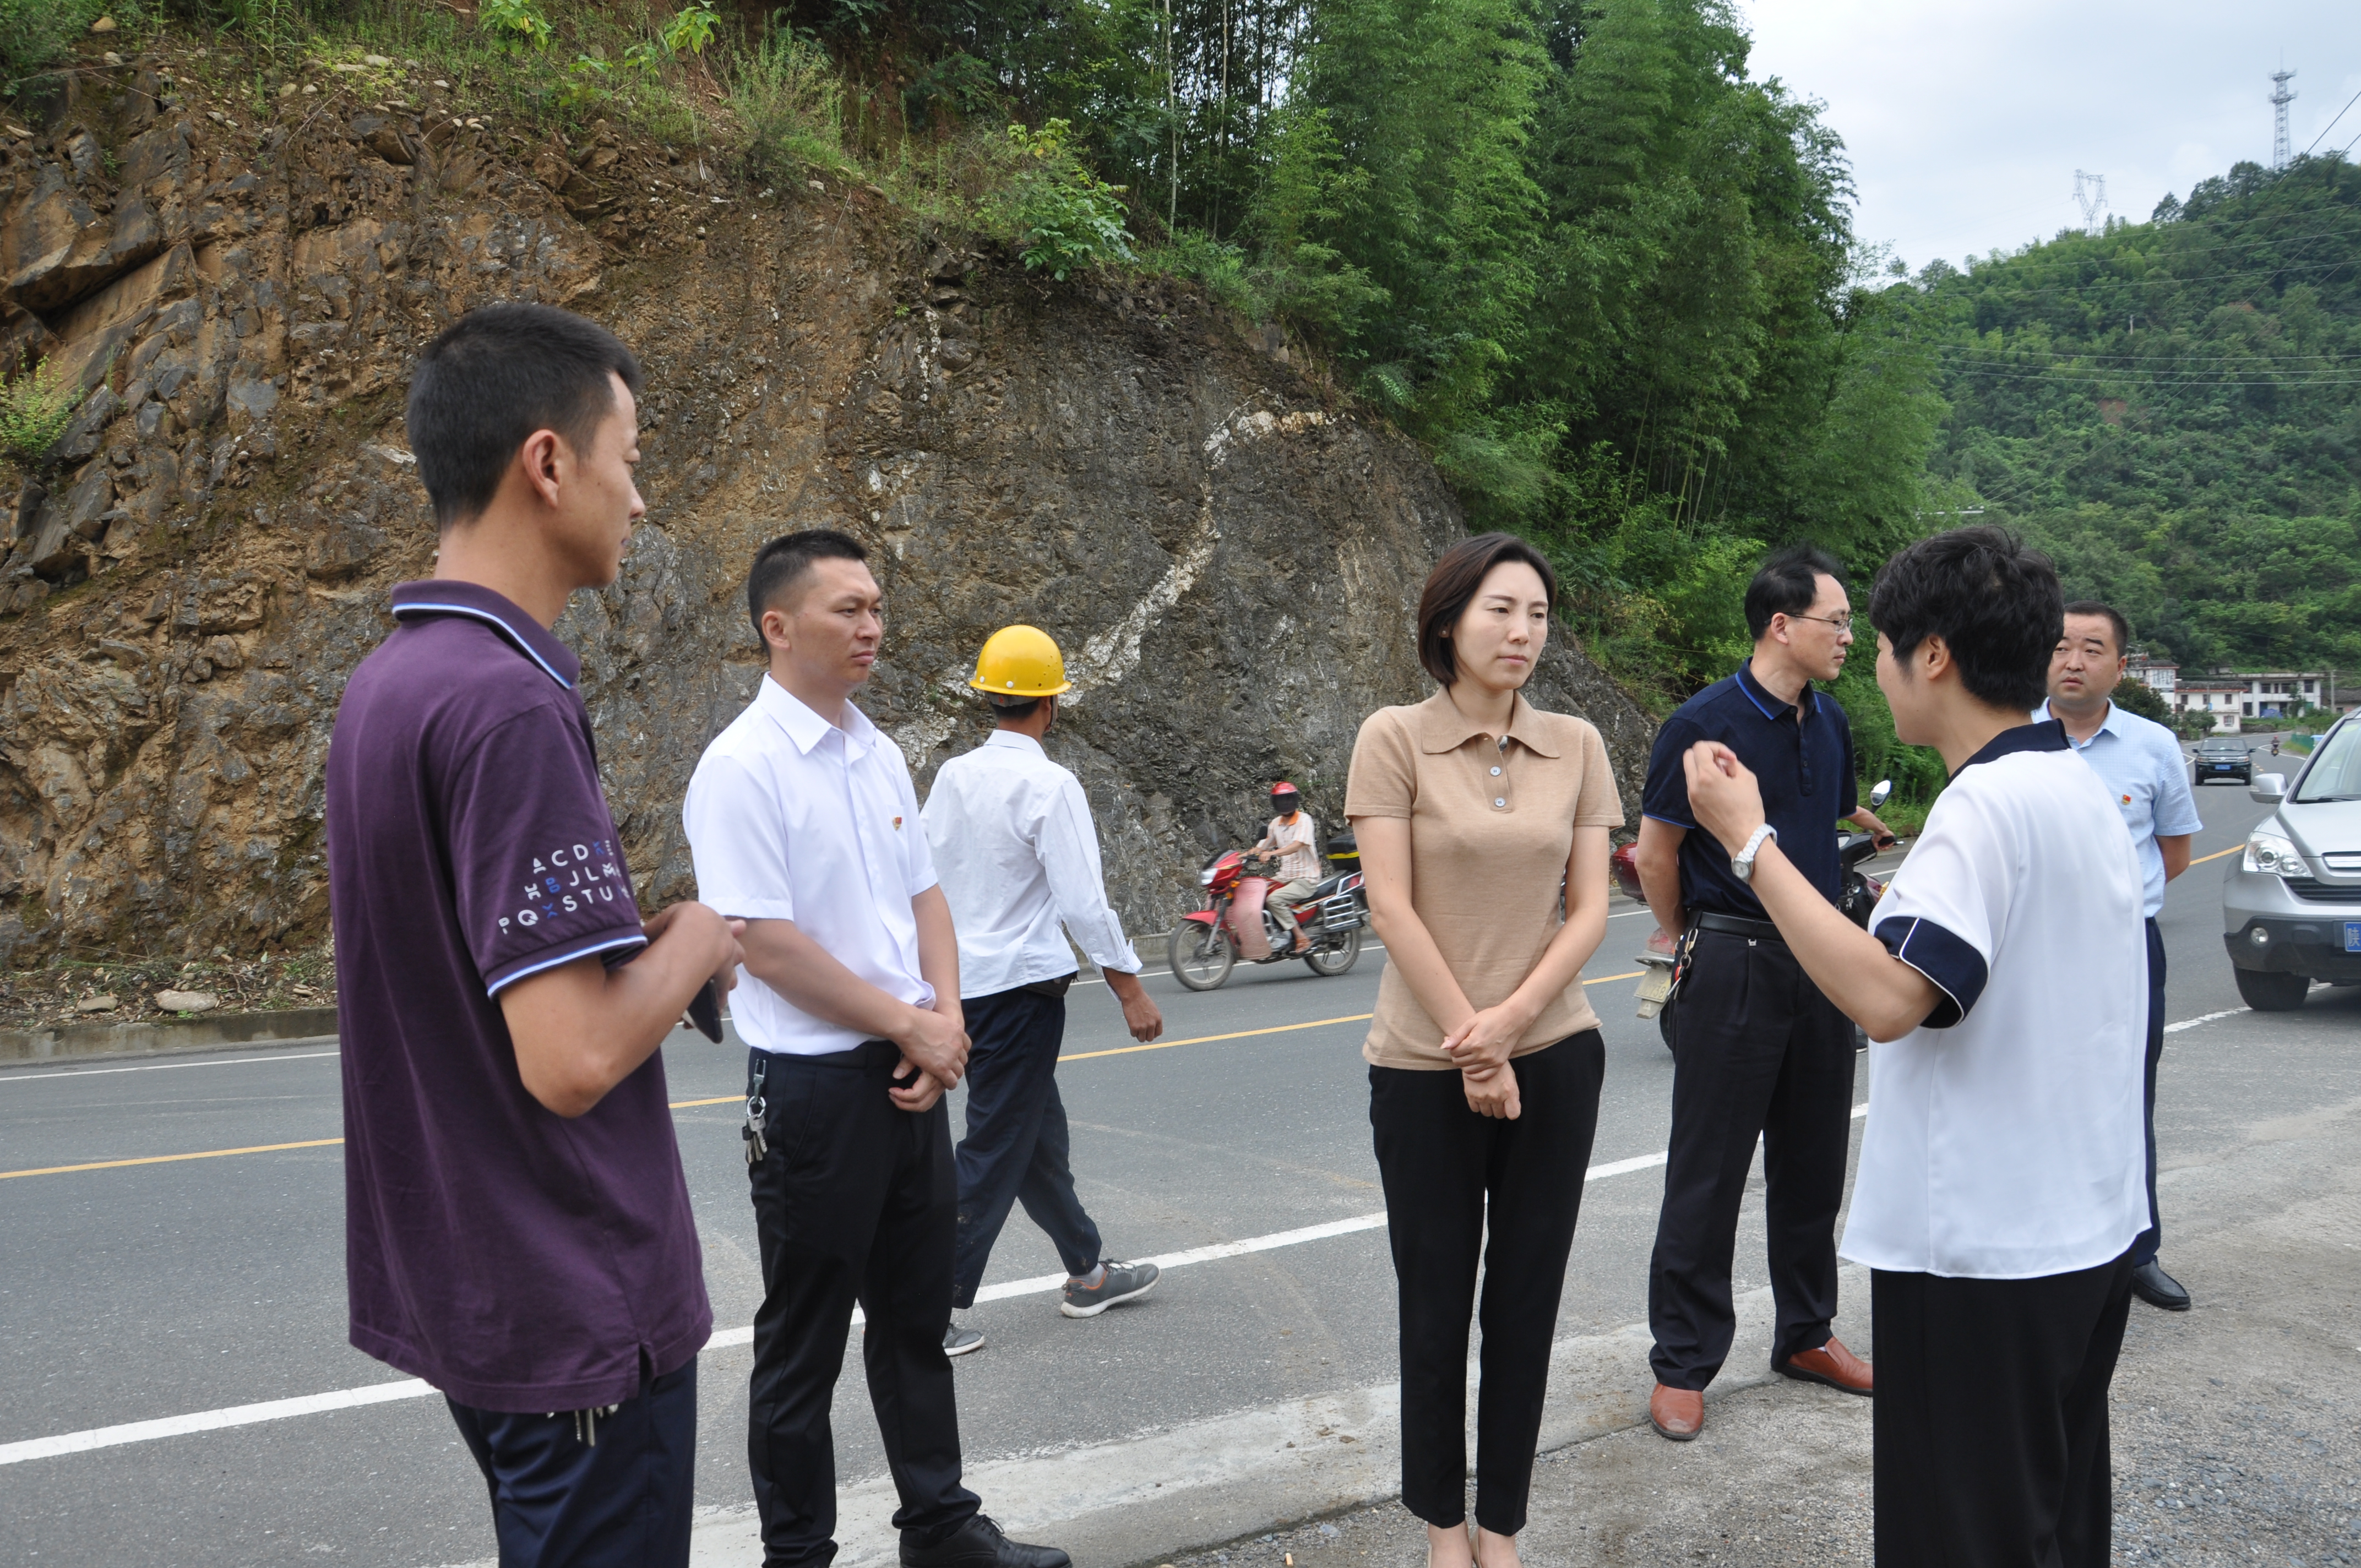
[(2291, 910)]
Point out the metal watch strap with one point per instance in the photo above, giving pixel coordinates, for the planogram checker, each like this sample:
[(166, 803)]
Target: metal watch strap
[(1742, 864)]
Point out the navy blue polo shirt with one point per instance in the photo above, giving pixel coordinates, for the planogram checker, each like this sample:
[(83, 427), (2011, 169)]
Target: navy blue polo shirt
[(515, 1259), (1803, 763)]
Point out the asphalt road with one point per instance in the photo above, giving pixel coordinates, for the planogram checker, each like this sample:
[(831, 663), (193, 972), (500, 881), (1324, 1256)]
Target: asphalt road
[(137, 1292)]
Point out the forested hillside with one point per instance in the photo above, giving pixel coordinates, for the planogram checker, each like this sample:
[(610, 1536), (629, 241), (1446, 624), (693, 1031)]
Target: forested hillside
[(2173, 408)]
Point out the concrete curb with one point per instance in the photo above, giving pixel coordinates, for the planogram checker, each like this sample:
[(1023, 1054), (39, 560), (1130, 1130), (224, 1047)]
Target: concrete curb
[(209, 1033)]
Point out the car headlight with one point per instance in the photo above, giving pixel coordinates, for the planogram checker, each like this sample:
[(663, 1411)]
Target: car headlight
[(2269, 852)]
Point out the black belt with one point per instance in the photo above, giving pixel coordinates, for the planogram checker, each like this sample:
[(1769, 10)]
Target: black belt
[(1736, 925)]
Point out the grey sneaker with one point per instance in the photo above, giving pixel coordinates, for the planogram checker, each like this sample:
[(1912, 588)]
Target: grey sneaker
[(958, 1341), (1121, 1282)]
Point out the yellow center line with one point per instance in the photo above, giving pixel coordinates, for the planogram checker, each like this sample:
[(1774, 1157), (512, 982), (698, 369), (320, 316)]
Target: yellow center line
[(722, 1100), (2217, 854), (169, 1158)]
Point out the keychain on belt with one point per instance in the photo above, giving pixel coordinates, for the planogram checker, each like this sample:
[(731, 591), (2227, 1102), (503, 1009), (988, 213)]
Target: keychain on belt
[(757, 1147)]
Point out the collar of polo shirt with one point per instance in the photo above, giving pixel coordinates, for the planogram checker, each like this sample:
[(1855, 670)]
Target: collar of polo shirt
[(1443, 728), (1770, 706), (808, 728), (2107, 725), (440, 596)]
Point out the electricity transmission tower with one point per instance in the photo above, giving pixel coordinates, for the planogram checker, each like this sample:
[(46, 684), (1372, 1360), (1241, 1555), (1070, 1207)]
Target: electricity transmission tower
[(2280, 99), (2091, 193)]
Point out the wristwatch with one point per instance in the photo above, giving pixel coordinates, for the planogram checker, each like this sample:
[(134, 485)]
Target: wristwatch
[(1742, 864)]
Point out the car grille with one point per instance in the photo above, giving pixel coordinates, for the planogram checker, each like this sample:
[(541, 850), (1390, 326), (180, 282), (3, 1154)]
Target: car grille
[(2313, 891), (2344, 862)]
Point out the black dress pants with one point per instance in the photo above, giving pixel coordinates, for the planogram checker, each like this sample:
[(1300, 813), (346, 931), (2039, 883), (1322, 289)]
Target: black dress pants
[(1017, 1150), (1989, 1446), (854, 1202), (1449, 1174), (1756, 1050), (2151, 1240)]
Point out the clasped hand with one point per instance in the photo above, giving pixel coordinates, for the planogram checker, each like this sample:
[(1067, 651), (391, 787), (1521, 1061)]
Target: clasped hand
[(934, 1058), (1480, 1048)]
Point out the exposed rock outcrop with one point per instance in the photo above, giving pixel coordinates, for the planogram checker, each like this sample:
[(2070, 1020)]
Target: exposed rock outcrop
[(1230, 558)]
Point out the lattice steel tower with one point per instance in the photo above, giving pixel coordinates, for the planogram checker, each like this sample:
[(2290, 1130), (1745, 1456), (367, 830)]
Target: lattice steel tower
[(2091, 195), (2280, 99)]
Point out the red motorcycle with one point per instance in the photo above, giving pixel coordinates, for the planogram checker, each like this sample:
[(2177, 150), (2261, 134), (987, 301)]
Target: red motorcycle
[(1237, 920)]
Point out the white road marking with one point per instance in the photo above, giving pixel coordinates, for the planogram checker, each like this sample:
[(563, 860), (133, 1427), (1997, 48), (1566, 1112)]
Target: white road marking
[(6, 1077), (412, 1388)]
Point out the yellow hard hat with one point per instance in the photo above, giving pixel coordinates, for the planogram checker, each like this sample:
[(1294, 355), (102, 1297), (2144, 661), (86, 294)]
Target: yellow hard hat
[(1020, 661)]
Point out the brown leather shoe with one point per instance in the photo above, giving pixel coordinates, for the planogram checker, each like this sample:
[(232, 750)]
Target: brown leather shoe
[(1833, 1365), (1676, 1413)]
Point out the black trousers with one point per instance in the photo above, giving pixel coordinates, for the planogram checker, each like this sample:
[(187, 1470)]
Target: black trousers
[(568, 1493), (1989, 1447), (2144, 1248), (853, 1203), (1448, 1174), (1757, 1050), (1017, 1150)]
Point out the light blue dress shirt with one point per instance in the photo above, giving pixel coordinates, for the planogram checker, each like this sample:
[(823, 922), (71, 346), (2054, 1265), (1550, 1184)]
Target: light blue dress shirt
[(2140, 762)]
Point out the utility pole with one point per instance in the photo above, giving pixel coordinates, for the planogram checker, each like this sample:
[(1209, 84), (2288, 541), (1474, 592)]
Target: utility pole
[(2091, 195), (2280, 99)]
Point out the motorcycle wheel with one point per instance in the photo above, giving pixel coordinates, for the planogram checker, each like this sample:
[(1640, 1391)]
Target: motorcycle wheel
[(1201, 955), (1336, 960)]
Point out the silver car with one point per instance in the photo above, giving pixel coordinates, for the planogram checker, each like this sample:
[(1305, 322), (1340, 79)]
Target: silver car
[(2292, 909)]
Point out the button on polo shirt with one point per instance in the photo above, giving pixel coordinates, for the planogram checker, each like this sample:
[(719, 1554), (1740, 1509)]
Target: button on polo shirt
[(514, 1258), (2005, 1134), (790, 817), (1803, 763)]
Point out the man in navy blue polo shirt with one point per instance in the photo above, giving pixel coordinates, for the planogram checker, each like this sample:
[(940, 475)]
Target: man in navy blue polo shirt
[(517, 1227), (1757, 1050)]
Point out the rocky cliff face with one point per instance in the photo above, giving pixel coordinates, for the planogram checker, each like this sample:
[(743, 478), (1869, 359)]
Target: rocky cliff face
[(1229, 556)]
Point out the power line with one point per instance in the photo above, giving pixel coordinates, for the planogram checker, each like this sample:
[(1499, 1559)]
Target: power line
[(2268, 271), (2232, 359), (2332, 124)]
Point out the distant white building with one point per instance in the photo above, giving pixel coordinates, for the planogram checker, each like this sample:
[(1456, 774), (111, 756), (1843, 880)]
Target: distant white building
[(2275, 694), (2222, 700), (2161, 676)]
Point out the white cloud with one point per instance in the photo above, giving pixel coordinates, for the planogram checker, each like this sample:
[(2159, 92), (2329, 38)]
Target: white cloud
[(1965, 124)]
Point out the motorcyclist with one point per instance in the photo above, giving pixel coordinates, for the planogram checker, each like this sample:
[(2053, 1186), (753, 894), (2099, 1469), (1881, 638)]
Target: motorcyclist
[(1294, 838)]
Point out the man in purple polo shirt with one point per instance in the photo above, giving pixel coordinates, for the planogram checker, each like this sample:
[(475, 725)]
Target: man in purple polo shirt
[(518, 1228)]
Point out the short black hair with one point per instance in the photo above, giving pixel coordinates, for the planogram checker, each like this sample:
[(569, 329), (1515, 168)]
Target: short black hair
[(778, 564), (1996, 604), (490, 379), (1787, 584), (1012, 707), (1454, 582), (2115, 619)]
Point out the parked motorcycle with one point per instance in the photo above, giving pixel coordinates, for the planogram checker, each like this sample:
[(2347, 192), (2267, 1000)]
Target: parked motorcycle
[(1859, 895), (1238, 922)]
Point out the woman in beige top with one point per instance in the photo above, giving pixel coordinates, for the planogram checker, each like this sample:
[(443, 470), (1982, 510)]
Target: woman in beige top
[(1473, 810)]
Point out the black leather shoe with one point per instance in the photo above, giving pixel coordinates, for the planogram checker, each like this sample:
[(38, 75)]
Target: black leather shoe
[(979, 1544), (2157, 1289)]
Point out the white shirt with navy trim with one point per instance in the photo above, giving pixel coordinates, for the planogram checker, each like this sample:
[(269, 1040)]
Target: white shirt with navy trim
[(790, 817), (2005, 1138), (1012, 837), (2141, 764)]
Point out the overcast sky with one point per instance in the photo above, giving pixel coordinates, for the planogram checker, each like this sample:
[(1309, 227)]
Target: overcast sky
[(1965, 123)]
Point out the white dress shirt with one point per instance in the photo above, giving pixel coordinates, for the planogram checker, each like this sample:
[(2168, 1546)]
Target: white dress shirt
[(1011, 835), (791, 818), (2006, 1137)]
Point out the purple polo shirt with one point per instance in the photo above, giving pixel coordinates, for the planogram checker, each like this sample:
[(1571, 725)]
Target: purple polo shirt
[(512, 1258)]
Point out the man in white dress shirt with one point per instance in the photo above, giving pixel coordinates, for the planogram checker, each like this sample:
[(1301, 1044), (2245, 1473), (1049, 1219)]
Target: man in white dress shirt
[(1012, 837), (802, 822), (2005, 984)]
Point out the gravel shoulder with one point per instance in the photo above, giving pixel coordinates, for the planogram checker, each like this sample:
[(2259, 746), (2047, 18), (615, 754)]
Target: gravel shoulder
[(2238, 1425)]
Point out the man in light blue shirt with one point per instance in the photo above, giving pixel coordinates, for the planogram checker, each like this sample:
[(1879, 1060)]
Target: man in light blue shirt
[(2140, 762)]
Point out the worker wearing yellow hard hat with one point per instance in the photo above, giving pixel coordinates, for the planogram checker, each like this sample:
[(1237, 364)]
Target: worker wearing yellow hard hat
[(1017, 857), (1020, 665)]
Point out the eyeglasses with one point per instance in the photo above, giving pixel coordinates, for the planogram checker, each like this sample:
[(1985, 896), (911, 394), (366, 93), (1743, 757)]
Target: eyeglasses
[(1842, 622)]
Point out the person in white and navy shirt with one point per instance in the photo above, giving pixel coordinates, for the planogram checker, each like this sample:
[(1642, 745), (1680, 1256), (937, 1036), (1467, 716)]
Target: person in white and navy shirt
[(2003, 986), (2141, 764), (802, 822), (1011, 833)]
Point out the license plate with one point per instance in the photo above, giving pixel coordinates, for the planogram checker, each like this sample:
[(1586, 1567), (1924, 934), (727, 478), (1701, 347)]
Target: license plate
[(2353, 935)]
